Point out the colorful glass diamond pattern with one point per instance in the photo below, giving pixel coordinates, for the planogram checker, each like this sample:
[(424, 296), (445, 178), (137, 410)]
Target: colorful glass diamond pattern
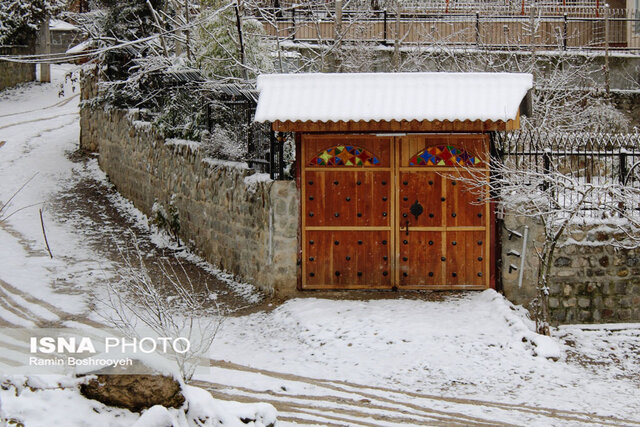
[(345, 155), (443, 155)]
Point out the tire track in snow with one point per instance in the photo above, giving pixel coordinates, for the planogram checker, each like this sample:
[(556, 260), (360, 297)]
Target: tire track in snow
[(42, 119), (400, 396), (57, 104), (61, 314), (364, 412)]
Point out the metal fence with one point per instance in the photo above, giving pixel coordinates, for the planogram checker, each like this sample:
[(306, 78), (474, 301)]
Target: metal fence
[(544, 27), (235, 106), (589, 157)]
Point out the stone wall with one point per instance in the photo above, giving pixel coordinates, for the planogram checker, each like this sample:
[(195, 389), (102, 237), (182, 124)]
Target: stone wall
[(238, 221), (13, 73), (591, 280)]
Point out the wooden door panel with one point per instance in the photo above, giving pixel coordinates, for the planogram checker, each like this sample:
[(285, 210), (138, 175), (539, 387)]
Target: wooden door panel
[(347, 259), (339, 198), (420, 259), (373, 198), (464, 206), (425, 188), (465, 258)]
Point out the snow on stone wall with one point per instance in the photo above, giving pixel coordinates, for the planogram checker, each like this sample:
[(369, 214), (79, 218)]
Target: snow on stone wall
[(591, 281), (244, 226)]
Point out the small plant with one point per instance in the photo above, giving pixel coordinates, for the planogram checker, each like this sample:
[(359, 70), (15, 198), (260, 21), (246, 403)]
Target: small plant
[(167, 219)]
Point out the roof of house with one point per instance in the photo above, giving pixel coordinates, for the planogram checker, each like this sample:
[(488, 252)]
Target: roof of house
[(391, 97)]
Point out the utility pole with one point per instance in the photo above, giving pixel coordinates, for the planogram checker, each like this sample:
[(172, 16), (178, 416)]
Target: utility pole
[(44, 48)]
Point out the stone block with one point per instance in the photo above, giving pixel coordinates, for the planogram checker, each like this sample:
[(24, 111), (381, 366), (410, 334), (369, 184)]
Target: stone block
[(584, 302), (554, 302), (624, 314), (624, 302), (598, 302), (569, 302), (562, 262), (568, 290), (585, 316)]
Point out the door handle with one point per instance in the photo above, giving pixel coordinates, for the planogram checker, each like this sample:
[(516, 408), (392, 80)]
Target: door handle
[(407, 228)]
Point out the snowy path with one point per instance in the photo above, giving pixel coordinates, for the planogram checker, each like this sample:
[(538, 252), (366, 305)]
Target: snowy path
[(466, 360)]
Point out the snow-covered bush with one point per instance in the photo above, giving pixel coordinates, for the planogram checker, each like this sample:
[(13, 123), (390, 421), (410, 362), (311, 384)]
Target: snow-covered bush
[(20, 19), (222, 143)]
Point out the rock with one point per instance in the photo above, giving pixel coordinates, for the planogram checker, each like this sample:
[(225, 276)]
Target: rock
[(133, 392)]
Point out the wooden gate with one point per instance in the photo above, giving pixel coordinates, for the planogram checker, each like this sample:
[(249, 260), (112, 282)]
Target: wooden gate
[(380, 212)]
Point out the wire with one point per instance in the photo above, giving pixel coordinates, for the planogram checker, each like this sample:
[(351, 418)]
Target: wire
[(64, 57)]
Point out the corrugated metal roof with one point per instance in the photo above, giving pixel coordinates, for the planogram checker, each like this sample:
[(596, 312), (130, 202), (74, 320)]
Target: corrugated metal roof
[(390, 96)]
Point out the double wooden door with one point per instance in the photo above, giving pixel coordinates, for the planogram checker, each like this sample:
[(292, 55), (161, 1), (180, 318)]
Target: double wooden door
[(380, 212)]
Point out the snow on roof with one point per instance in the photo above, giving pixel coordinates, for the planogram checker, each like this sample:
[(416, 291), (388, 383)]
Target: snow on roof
[(58, 25), (391, 96)]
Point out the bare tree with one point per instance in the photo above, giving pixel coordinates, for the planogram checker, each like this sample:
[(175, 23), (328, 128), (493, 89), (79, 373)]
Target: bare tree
[(168, 302), (556, 195)]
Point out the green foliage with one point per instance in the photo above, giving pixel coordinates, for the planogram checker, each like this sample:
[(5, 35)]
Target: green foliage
[(181, 113), (20, 19), (167, 219), (126, 20), (217, 44)]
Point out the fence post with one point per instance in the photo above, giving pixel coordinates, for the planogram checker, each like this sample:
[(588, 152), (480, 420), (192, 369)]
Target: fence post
[(272, 149), (384, 34), (623, 169), (478, 28), (546, 168), (565, 32), (281, 140), (293, 24)]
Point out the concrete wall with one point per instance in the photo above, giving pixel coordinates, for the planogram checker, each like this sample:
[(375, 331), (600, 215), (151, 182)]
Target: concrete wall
[(591, 281), (241, 223), (13, 73), (62, 40)]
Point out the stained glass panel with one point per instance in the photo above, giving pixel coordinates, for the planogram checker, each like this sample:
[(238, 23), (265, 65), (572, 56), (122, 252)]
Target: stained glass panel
[(344, 155), (444, 155)]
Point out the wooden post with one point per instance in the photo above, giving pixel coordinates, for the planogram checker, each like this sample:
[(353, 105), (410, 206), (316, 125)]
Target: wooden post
[(45, 49)]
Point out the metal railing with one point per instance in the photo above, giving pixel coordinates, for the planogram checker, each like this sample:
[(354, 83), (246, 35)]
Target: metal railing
[(544, 27), (588, 157)]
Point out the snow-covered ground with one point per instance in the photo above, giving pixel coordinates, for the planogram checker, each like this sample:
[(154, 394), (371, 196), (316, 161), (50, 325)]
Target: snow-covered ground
[(470, 359)]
